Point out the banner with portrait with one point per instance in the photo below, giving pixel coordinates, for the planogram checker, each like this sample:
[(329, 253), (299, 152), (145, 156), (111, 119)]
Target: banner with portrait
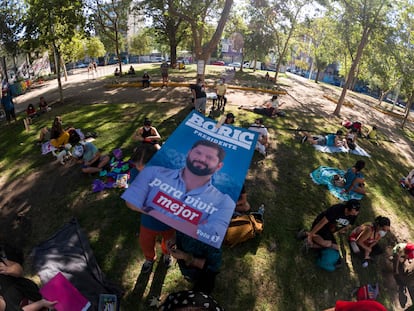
[(194, 181)]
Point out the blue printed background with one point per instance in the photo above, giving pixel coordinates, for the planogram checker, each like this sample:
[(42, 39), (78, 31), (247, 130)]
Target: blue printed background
[(228, 180)]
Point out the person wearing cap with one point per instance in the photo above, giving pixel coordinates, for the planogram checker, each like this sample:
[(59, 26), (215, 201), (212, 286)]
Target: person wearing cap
[(90, 157), (148, 134), (337, 218), (190, 300), (330, 140), (229, 118), (263, 139), (362, 305), (146, 79), (400, 254), (364, 238)]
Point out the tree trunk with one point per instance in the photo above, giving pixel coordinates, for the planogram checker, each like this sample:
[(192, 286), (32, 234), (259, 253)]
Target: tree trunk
[(173, 54), (361, 46), (408, 108), (64, 68), (57, 69), (317, 75)]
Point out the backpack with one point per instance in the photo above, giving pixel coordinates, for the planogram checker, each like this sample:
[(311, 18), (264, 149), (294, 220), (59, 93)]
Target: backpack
[(328, 259), (367, 292), (243, 228)]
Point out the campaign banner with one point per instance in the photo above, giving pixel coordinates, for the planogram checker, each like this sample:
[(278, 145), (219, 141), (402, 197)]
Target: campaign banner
[(194, 181)]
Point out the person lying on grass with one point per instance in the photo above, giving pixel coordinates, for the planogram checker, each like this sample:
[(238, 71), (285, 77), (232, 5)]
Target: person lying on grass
[(330, 140)]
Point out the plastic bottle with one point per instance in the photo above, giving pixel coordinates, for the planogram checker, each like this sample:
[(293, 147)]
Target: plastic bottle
[(261, 209), (354, 247)]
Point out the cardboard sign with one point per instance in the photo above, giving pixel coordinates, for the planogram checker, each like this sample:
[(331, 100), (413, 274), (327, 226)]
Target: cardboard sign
[(193, 183)]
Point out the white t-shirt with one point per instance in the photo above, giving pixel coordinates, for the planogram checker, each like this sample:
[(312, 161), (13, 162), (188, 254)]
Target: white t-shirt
[(259, 129)]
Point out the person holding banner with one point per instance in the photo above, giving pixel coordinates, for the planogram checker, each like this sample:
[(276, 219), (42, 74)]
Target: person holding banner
[(186, 198)]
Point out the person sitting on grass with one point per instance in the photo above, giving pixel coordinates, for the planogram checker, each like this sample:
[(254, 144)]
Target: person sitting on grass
[(263, 139), (131, 70), (31, 113), (14, 288), (364, 238), (354, 178), (337, 218), (43, 106), (351, 138), (270, 108), (372, 134), (330, 140), (401, 253), (148, 134), (146, 80), (242, 205), (59, 136), (90, 157), (408, 182)]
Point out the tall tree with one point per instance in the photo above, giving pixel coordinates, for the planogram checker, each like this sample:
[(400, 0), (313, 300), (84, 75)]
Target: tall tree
[(52, 22), (283, 16), (169, 28), (11, 26), (111, 21), (140, 43), (368, 15), (197, 14)]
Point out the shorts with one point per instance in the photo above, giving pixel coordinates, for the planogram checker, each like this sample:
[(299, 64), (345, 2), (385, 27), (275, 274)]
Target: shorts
[(320, 140), (200, 104)]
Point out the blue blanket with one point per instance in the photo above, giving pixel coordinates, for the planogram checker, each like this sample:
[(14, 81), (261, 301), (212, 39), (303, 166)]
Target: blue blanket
[(323, 176)]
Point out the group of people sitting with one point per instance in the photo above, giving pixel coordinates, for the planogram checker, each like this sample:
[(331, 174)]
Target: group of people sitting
[(32, 112)]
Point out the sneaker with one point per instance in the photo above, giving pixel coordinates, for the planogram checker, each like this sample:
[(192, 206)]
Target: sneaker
[(365, 264), (304, 138), (301, 234), (147, 266), (167, 260)]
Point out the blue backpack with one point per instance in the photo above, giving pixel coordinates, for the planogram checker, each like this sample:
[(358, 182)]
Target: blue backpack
[(328, 259)]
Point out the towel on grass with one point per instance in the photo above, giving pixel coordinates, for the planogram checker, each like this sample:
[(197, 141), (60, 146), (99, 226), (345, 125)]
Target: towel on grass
[(323, 176), (331, 149)]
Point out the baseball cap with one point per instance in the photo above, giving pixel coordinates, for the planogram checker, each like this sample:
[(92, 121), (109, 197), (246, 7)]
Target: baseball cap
[(353, 204), (409, 250)]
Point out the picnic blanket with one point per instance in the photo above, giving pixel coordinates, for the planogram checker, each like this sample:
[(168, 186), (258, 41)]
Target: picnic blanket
[(48, 147), (68, 251), (116, 174), (331, 149), (323, 176)]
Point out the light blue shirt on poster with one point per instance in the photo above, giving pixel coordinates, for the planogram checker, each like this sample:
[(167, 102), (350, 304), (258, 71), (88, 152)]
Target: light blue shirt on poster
[(164, 189)]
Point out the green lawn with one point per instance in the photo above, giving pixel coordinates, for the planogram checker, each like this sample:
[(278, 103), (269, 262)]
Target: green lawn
[(252, 277)]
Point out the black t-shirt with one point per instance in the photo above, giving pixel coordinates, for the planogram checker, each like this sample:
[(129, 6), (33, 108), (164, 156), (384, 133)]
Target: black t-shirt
[(199, 90), (337, 219), (15, 289)]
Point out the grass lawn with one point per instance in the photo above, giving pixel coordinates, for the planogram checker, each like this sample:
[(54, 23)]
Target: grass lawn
[(253, 276)]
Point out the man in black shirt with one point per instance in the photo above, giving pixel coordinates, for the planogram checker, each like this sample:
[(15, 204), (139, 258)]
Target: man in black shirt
[(337, 218)]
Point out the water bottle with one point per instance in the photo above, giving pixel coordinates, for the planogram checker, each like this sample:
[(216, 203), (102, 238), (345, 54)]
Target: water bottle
[(261, 209), (354, 247)]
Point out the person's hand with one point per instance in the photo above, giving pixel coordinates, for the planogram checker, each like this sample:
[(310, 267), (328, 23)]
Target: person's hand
[(179, 254), (5, 270), (48, 304)]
